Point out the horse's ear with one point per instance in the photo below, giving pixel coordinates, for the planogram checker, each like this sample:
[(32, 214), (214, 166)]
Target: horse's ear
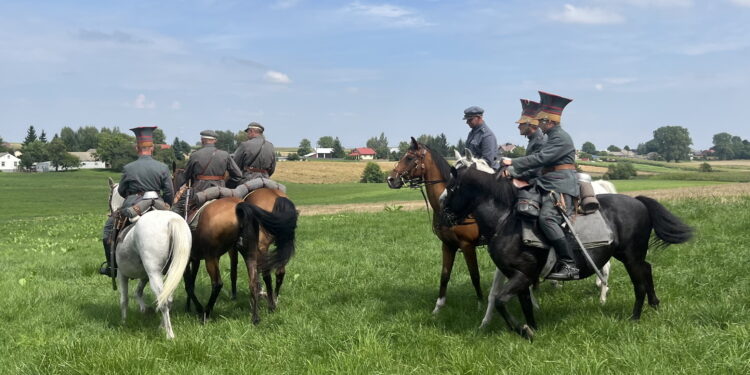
[(414, 144), (458, 155), (111, 183), (469, 155)]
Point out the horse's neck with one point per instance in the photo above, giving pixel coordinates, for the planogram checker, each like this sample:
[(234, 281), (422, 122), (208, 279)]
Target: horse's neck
[(434, 190)]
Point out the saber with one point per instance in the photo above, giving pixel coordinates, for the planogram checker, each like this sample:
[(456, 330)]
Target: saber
[(187, 199), (573, 232)]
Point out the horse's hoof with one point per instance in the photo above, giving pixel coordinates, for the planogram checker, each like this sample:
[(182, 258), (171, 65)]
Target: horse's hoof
[(256, 320), (527, 333), (634, 318)]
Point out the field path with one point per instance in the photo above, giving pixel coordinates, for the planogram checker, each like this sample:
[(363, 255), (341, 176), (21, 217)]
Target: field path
[(716, 191)]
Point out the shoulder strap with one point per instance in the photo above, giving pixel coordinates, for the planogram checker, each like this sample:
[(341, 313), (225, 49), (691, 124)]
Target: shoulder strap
[(209, 162), (258, 153)]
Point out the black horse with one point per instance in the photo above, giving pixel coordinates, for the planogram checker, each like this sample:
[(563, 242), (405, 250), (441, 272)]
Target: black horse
[(491, 198)]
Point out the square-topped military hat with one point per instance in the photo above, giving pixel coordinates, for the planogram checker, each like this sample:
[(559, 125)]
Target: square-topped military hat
[(144, 135), (473, 111), (529, 111), (552, 106)]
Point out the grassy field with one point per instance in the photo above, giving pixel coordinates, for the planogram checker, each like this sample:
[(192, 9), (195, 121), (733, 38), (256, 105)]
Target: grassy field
[(357, 299)]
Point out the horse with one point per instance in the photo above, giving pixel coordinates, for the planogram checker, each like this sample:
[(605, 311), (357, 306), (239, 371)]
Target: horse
[(231, 224), (159, 240), (421, 166), (491, 199)]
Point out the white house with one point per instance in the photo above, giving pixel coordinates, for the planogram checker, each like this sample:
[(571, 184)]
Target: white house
[(8, 162), (88, 161), (321, 153)]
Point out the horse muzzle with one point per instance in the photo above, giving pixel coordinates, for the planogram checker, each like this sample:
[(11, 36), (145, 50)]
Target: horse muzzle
[(395, 182)]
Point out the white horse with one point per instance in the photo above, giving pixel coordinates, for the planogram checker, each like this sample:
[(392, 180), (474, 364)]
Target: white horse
[(158, 239), (600, 187)]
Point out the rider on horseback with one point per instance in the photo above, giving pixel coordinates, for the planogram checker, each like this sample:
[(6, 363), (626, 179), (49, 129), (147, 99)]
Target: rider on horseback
[(142, 179), (206, 167), (556, 157), (528, 126), (481, 140), (256, 156)]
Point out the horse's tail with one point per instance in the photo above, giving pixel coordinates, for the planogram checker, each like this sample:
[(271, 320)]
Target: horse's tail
[(280, 223), (180, 243), (669, 228)]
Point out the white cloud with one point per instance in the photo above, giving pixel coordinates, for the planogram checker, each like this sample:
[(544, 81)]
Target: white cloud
[(176, 105), (140, 102), (704, 48), (285, 4), (389, 15), (599, 87), (590, 16), (742, 3), (619, 80), (277, 77)]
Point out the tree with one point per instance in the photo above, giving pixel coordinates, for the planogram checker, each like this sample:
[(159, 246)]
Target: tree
[(180, 149), (338, 150), (30, 135), (372, 174), (437, 143), (33, 152), (723, 146), (380, 145), (159, 137), (461, 146), (225, 140), (589, 148), (165, 156), (626, 148), (403, 147), (43, 137), (739, 148), (58, 154), (69, 138), (3, 148), (672, 142), (517, 152), (88, 138), (116, 149), (293, 157), (613, 148), (620, 171), (325, 142), (705, 167), (305, 147)]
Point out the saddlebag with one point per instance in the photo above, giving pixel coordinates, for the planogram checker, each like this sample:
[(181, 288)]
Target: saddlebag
[(529, 202)]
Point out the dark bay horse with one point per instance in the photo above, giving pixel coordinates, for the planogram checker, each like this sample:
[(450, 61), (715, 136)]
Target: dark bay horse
[(492, 198), (422, 166), (231, 224)]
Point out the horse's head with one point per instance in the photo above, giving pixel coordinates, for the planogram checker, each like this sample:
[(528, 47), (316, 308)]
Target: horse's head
[(410, 167), (469, 160), (115, 199), (178, 177)]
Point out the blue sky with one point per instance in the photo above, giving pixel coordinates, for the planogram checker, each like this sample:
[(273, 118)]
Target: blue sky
[(354, 69)]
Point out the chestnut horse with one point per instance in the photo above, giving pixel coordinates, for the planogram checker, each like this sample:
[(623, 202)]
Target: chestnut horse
[(421, 166)]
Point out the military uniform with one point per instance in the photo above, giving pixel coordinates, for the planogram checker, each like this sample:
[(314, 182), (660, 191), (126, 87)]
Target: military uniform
[(207, 166), (536, 139), (556, 158), (481, 140), (138, 177), (256, 157)]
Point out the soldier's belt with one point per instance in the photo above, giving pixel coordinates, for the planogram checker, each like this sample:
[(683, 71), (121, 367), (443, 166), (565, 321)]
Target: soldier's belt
[(561, 167), (210, 178), (256, 170)]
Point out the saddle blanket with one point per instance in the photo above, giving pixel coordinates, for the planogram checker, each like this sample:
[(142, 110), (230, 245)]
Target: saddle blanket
[(240, 191), (591, 229)]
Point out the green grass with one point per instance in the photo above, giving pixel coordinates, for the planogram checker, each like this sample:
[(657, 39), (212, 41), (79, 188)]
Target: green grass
[(357, 299), (706, 176), (652, 184), (85, 191)]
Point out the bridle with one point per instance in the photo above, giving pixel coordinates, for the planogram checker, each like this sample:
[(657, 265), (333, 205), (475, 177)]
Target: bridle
[(418, 171)]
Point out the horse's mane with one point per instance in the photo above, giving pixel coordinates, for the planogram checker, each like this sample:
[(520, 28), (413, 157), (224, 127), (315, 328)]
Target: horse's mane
[(499, 188), (441, 163)]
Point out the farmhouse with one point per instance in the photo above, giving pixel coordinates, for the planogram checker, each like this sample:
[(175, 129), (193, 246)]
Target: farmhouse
[(88, 161), (8, 162), (508, 147), (363, 153), (321, 153)]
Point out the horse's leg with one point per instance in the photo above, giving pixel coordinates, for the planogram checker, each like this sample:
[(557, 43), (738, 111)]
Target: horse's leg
[(497, 283), (470, 256), (653, 301), (212, 266), (637, 270), (449, 255), (122, 283), (280, 273), (157, 284), (190, 277), (251, 262), (139, 294), (233, 272), (603, 289), (517, 284), (527, 306)]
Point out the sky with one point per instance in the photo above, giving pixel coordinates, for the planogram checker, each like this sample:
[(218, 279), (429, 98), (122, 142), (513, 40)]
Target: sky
[(354, 69)]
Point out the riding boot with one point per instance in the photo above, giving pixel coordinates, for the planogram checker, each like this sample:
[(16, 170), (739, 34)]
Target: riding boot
[(105, 268), (567, 269)]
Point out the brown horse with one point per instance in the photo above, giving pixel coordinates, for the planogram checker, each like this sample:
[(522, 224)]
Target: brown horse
[(232, 224), (422, 166)]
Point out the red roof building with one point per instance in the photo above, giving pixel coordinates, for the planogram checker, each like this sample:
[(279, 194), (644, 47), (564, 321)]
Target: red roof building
[(363, 153)]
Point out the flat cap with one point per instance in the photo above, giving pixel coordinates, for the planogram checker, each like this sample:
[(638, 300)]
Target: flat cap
[(255, 125), (473, 111), (210, 134)]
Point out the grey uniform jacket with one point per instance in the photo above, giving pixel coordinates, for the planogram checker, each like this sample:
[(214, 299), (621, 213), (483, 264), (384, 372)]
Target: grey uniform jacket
[(142, 175), (536, 141), (256, 153), (211, 161), (482, 143), (558, 149)]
